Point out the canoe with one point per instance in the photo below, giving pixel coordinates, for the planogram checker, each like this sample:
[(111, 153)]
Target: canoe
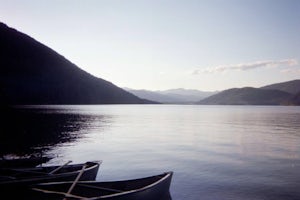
[(23, 162), (15, 177), (148, 188)]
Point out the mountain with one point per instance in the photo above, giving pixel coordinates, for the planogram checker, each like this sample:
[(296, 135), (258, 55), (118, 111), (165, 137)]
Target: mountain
[(151, 95), (284, 93), (292, 87), (294, 100), (187, 95), (173, 96), (248, 96), (32, 73)]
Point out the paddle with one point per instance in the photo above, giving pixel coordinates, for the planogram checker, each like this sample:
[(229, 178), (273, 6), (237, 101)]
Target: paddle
[(76, 180), (58, 168)]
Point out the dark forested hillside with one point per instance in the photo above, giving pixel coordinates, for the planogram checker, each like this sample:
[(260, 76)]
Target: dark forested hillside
[(32, 73)]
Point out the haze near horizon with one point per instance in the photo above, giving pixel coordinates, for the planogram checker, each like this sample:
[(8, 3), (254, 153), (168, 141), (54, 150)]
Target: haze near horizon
[(158, 45)]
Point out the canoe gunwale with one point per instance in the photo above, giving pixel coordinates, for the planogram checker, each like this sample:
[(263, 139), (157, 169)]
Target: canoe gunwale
[(166, 175)]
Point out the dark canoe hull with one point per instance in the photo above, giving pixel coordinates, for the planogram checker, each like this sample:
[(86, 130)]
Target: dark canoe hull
[(12, 178), (149, 188), (23, 162)]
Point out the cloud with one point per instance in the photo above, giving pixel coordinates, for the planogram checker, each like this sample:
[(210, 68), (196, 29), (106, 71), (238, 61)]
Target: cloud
[(247, 66), (291, 71)]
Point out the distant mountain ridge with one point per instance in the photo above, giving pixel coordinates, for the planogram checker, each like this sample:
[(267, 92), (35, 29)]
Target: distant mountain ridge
[(285, 93), (172, 96), (32, 73), (292, 87)]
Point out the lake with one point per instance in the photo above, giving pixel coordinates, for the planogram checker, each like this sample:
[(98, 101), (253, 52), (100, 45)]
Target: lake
[(215, 152)]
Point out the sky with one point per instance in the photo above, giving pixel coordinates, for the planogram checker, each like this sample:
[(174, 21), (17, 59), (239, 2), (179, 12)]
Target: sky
[(164, 44)]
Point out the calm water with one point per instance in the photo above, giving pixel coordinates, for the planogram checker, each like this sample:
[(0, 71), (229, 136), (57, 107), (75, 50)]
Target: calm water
[(216, 152)]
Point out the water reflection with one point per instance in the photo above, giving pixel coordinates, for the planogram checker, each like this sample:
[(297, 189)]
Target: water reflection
[(29, 131)]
